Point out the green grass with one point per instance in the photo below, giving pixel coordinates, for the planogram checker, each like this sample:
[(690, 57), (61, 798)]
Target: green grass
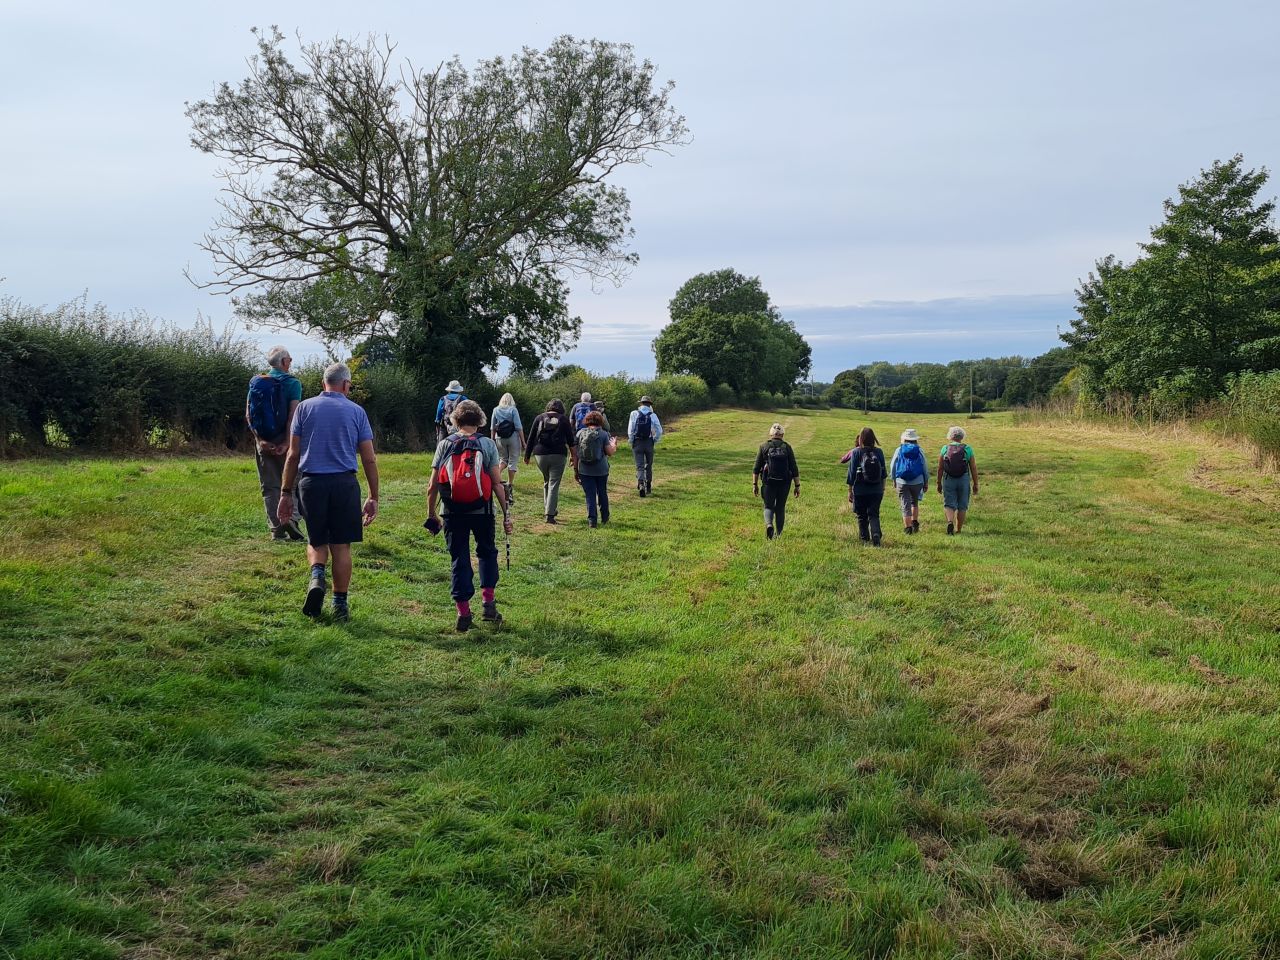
[(1053, 736)]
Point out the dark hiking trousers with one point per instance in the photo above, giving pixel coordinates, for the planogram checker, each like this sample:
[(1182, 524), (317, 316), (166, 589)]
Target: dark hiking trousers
[(866, 504), (774, 493), (643, 452), (459, 529)]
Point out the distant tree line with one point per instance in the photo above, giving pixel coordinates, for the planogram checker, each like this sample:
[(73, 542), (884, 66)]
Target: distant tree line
[(996, 383)]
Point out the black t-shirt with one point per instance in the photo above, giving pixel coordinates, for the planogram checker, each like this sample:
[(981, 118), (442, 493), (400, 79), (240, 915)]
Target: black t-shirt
[(551, 435)]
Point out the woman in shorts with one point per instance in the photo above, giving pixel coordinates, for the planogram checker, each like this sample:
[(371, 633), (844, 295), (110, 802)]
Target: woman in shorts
[(508, 434), (957, 478), (910, 472)]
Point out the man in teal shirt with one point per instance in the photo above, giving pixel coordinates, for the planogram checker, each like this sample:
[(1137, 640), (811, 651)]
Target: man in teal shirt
[(270, 451)]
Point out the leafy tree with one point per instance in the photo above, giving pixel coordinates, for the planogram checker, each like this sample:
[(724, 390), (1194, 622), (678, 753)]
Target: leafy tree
[(725, 330), (443, 207), (1200, 304), (721, 291)]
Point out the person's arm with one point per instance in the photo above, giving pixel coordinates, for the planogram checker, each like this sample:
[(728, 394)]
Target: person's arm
[(631, 426), (529, 444), (657, 428), (795, 468), (755, 472), (848, 456), (369, 460), (973, 472), (941, 459), (433, 495), (284, 512)]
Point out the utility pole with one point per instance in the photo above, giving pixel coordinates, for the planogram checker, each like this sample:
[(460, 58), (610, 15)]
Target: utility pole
[(864, 393), (970, 391)]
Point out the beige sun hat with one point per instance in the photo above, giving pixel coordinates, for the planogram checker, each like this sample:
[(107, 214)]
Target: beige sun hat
[(910, 435)]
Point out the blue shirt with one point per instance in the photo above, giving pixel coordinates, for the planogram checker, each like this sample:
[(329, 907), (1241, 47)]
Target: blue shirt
[(331, 428), (655, 425), (440, 404), (505, 413)]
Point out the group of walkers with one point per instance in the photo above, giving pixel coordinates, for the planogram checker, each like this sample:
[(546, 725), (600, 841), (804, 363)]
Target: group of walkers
[(776, 475), (308, 452), (312, 448)]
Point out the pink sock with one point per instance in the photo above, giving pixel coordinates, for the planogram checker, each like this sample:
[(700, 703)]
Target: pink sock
[(487, 593), (464, 607)]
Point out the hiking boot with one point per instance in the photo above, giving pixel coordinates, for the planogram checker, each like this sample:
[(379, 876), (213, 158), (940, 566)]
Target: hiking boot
[(491, 614), (316, 590), (875, 541), (648, 489), (908, 530), (293, 532), (463, 624), (341, 613), (951, 527), (591, 522), (768, 533), (643, 491), (604, 518), (279, 535), (915, 526)]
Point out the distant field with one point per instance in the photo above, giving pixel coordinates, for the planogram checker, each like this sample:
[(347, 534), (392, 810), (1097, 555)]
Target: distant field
[(1054, 736)]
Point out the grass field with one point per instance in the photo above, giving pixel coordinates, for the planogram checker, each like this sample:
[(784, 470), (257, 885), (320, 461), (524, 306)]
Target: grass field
[(1053, 736)]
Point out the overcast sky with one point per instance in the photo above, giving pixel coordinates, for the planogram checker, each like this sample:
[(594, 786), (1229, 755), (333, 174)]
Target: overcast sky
[(909, 181)]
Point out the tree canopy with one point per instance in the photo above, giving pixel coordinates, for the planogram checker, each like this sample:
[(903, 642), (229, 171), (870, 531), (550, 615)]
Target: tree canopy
[(443, 207), (725, 330), (1201, 303)]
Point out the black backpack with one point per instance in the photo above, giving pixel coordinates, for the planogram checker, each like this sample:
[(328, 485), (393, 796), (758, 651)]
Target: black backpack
[(867, 466), (505, 428), (777, 461)]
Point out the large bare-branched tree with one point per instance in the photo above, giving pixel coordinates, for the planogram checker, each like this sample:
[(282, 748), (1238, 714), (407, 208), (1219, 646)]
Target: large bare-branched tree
[(446, 208)]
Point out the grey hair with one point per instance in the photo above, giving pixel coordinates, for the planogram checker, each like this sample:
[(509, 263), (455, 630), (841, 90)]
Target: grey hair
[(335, 374), (507, 400), (777, 430), (585, 398), (955, 433), (276, 355)]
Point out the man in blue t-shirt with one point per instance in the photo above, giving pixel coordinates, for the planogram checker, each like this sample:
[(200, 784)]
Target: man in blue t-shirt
[(270, 451), (330, 432)]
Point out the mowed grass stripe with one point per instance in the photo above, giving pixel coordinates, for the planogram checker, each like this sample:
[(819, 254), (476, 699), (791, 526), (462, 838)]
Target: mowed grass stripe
[(1052, 736)]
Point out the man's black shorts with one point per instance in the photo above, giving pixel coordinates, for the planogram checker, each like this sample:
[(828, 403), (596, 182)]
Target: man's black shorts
[(330, 503)]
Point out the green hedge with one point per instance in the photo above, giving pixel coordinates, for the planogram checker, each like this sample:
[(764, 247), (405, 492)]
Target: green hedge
[(79, 377)]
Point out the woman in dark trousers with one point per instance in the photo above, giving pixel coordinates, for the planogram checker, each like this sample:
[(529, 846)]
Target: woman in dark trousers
[(592, 448), (551, 446), (776, 465), (866, 477)]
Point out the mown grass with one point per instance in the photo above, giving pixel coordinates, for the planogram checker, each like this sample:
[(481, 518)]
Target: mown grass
[(1053, 736)]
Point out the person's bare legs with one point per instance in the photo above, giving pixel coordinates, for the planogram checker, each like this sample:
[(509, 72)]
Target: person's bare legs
[(951, 514), (318, 555), (341, 566), (960, 515)]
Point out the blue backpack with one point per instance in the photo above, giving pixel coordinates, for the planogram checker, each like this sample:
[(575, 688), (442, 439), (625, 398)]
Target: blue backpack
[(644, 425), (910, 462), (268, 412)]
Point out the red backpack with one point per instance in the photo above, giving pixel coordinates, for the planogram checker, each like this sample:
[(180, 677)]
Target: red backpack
[(467, 484)]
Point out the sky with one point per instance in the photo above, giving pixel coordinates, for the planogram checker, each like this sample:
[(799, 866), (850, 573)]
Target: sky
[(923, 181)]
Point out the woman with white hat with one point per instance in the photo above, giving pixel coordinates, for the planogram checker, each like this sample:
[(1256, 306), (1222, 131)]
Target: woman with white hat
[(910, 472)]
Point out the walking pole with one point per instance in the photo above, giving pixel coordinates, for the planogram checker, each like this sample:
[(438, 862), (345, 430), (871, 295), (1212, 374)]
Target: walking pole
[(508, 551)]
